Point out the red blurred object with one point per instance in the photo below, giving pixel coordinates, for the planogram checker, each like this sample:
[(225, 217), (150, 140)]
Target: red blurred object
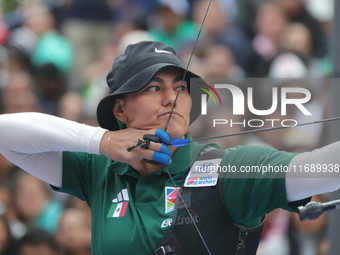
[(4, 32)]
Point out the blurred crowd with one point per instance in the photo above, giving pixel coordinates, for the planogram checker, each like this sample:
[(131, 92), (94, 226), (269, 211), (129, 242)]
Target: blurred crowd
[(54, 57)]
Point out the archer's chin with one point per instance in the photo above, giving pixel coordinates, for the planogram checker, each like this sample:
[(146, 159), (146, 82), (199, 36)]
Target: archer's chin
[(177, 131)]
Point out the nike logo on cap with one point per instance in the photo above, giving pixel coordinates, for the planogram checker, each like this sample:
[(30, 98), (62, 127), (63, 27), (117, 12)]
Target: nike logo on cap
[(162, 51)]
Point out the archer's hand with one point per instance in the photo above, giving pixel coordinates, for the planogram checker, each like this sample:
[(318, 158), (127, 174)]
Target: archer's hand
[(123, 139)]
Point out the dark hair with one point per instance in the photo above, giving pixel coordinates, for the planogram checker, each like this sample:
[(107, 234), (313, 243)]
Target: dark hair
[(10, 246), (37, 237), (121, 97)]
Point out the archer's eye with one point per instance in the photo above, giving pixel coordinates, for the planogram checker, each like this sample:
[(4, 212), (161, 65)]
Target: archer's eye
[(152, 88), (182, 88)]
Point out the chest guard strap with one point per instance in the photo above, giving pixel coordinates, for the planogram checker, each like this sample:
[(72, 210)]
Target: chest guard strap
[(221, 234)]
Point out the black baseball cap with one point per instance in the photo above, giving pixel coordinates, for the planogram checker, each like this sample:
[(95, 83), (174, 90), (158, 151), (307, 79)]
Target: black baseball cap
[(134, 69)]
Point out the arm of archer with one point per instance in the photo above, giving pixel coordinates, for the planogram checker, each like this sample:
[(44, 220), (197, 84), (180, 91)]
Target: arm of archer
[(315, 172), (34, 142)]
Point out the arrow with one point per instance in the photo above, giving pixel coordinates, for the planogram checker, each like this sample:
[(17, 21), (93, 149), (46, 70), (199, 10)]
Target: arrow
[(178, 142)]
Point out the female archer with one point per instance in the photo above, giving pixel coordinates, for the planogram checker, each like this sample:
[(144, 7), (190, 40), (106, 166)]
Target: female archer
[(145, 200)]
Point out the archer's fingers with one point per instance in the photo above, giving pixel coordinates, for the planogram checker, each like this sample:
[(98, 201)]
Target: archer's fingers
[(161, 158), (158, 156), (160, 147), (164, 136)]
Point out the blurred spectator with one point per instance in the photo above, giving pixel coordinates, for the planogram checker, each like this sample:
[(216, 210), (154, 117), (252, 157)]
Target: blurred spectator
[(71, 106), (269, 25), (297, 38), (323, 12), (218, 28), (74, 202), (130, 37), (51, 47), (5, 168), (245, 16), (146, 7), (38, 242), (24, 39), (95, 87), (34, 203), (297, 12), (18, 95), (9, 211), (7, 243), (87, 24), (274, 231), (17, 59), (230, 8), (170, 25), (51, 85), (220, 63), (288, 66), (74, 233)]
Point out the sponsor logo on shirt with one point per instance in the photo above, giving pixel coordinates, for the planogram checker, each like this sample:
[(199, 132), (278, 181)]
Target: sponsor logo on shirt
[(186, 219), (200, 182), (170, 198), (119, 205), (166, 223), (203, 173), (182, 220)]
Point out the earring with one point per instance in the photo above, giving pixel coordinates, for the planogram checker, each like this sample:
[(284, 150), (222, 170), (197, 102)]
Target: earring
[(123, 121)]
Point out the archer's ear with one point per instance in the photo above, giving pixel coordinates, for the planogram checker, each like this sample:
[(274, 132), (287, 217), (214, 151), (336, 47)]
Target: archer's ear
[(118, 110)]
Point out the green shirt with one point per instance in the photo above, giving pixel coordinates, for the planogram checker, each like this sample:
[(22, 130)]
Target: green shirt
[(130, 214)]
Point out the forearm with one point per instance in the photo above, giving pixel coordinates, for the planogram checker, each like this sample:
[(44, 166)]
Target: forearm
[(36, 133), (302, 183), (34, 142)]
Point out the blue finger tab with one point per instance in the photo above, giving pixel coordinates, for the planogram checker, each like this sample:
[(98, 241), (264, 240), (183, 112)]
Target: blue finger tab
[(164, 149), (163, 135), (161, 158)]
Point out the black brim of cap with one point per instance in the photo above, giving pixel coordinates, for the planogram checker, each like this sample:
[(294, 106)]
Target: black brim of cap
[(105, 116)]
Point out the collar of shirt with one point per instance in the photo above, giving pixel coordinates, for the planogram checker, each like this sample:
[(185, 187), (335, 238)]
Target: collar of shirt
[(181, 161)]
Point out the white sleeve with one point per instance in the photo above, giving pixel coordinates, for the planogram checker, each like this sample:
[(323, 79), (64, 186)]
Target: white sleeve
[(313, 173), (35, 141)]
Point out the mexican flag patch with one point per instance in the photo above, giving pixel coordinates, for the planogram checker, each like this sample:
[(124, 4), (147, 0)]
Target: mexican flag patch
[(119, 205)]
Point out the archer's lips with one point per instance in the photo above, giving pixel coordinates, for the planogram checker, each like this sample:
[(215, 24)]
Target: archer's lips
[(173, 113)]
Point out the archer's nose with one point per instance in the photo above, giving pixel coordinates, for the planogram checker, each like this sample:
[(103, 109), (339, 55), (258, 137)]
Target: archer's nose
[(169, 97)]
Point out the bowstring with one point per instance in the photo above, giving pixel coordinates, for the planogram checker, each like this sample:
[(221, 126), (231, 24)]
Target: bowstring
[(187, 67), (168, 121)]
